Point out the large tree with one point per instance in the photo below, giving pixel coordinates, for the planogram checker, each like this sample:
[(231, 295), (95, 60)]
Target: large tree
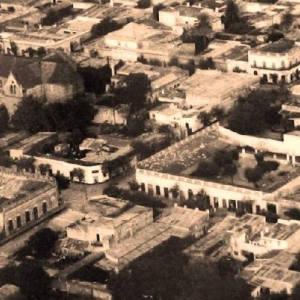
[(95, 79), (33, 281), (30, 115), (231, 16), (42, 242), (4, 118), (201, 32), (287, 20), (135, 91)]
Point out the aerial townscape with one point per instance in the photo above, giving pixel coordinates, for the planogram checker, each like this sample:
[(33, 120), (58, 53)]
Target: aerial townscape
[(150, 149)]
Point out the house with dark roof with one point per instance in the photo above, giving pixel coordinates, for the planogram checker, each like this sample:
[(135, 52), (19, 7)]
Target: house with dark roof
[(52, 78)]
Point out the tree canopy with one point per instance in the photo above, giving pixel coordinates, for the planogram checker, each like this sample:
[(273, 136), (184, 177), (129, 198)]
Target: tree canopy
[(95, 79), (33, 281), (4, 117), (104, 27), (231, 16), (42, 242), (254, 174), (207, 168), (135, 91), (144, 4), (287, 20), (34, 116), (257, 112)]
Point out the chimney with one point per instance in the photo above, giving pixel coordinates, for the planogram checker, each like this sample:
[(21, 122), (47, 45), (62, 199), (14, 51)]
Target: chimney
[(261, 234), (54, 2), (111, 3), (188, 4), (217, 9)]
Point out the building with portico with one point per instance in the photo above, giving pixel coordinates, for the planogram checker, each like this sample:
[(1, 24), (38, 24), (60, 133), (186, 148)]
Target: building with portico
[(176, 166), (275, 62)]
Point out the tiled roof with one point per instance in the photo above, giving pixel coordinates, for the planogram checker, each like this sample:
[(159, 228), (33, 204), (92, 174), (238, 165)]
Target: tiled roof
[(9, 63), (30, 72)]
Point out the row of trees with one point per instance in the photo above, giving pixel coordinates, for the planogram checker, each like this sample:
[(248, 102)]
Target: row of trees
[(73, 115)]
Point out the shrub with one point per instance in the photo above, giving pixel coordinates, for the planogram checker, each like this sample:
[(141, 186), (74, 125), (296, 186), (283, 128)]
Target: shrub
[(269, 166), (207, 169), (254, 174), (133, 185), (259, 157), (144, 3), (112, 191)]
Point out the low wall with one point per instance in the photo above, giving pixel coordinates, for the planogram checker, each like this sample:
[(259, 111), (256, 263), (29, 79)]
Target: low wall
[(256, 142)]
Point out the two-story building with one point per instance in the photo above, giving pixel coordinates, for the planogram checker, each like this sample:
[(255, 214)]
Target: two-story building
[(185, 16), (275, 62), (25, 199)]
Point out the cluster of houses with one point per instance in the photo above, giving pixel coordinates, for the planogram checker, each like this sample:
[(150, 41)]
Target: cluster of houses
[(43, 44)]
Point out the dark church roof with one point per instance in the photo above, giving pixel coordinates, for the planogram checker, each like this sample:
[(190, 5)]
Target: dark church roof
[(30, 72)]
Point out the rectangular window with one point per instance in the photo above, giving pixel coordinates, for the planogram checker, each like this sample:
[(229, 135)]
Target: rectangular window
[(158, 190), (224, 203), (166, 192), (264, 64), (10, 225), (19, 222), (150, 190), (273, 66), (143, 188), (0, 83), (282, 64), (27, 216)]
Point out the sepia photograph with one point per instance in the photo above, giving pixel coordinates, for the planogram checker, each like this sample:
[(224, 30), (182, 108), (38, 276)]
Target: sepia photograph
[(150, 149)]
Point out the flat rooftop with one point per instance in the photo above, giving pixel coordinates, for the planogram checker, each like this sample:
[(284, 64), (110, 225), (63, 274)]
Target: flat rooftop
[(182, 159), (96, 219), (213, 84), (280, 46), (106, 206), (213, 239), (15, 188), (249, 221), (134, 247), (185, 155), (100, 150), (272, 275), (182, 217), (29, 142), (159, 76), (281, 231)]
